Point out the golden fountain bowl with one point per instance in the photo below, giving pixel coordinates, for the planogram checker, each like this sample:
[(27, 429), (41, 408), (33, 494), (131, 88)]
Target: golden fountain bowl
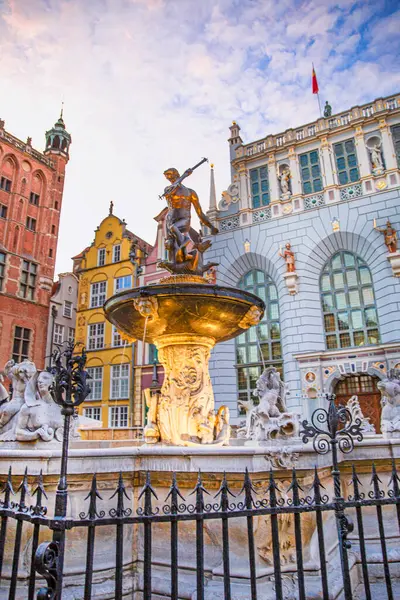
[(206, 310)]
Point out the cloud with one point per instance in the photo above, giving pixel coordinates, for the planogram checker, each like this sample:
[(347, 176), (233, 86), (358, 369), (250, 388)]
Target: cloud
[(153, 83)]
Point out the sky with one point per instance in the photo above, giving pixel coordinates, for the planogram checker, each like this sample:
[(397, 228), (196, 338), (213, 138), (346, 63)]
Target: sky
[(150, 84)]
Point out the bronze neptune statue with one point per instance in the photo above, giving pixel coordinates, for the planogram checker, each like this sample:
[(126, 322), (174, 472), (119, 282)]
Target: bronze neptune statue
[(185, 247)]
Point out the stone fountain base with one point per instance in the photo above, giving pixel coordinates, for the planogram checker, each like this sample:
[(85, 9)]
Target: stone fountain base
[(108, 458)]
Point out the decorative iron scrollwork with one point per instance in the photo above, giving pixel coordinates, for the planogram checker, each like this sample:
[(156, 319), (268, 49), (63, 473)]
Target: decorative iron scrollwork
[(341, 428), (46, 559)]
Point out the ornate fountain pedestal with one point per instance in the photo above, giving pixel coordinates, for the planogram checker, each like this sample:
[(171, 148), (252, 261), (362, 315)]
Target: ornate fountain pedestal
[(185, 319)]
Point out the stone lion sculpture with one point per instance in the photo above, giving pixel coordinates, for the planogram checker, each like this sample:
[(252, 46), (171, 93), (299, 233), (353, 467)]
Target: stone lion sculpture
[(270, 419), (390, 416)]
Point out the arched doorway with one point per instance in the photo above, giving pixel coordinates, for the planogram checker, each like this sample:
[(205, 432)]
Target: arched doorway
[(365, 388)]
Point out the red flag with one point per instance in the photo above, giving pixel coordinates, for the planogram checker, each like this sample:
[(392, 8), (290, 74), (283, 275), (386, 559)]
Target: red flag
[(314, 82)]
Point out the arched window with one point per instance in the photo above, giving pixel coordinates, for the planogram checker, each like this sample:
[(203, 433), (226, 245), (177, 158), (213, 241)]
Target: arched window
[(348, 302), (262, 343)]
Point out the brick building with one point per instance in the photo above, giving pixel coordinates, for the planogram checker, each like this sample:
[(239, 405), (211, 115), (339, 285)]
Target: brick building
[(332, 322), (31, 192)]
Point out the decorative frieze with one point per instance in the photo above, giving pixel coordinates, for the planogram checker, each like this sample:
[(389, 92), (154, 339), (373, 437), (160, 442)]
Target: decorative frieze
[(351, 191), (262, 215), (314, 201), (229, 224)]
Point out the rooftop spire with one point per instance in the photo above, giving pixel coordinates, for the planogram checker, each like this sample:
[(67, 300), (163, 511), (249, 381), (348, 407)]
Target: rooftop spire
[(213, 196), (111, 208), (62, 109)]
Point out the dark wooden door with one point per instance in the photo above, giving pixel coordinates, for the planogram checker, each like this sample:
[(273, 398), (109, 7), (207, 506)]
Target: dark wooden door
[(369, 397)]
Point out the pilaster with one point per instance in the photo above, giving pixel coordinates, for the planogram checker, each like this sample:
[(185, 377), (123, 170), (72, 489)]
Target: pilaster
[(327, 162), (362, 153), (244, 195), (273, 179), (294, 172)]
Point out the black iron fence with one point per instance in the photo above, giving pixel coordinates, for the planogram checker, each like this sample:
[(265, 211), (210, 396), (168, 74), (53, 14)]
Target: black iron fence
[(44, 570)]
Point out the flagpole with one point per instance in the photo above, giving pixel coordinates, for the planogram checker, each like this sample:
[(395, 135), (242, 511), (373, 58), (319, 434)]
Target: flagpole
[(319, 104), (317, 90)]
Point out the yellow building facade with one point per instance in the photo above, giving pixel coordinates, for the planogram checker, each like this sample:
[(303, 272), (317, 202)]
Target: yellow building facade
[(105, 268)]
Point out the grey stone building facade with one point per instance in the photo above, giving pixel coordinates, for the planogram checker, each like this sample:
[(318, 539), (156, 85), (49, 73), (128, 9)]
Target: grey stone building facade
[(62, 315), (332, 322)]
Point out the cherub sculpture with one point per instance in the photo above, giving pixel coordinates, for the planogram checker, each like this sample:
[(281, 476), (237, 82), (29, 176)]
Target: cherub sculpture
[(269, 420), (31, 413), (19, 375)]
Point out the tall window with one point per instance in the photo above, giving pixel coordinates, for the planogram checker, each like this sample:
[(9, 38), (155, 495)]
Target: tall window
[(2, 269), (34, 199), (119, 416), (94, 412), (119, 381), (396, 142), (95, 383), (116, 253), (123, 283), (28, 280), (346, 162), (71, 334), (5, 184), (22, 339), (3, 211), (259, 186), (31, 224), (348, 303), (116, 337), (58, 337), (96, 336), (101, 257), (98, 294), (310, 172), (67, 309), (260, 343)]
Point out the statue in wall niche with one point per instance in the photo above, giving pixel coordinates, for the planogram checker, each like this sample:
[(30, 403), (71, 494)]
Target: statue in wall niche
[(376, 158), (354, 408), (390, 416), (390, 236), (269, 420), (288, 255), (327, 110), (284, 181), (185, 255)]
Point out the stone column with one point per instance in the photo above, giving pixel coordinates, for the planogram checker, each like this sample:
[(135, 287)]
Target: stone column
[(387, 145), (362, 154), (294, 172), (273, 179)]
